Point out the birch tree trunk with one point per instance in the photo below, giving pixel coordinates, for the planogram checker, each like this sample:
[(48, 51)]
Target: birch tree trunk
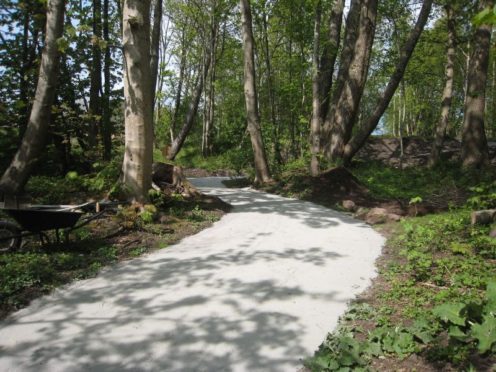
[(435, 156), (252, 114), (17, 174), (474, 141), (359, 139), (138, 152)]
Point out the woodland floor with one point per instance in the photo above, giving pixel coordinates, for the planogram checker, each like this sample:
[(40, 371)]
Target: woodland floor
[(36, 270)]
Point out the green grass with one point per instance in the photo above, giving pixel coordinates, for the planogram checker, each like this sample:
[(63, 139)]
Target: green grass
[(437, 270), (387, 182)]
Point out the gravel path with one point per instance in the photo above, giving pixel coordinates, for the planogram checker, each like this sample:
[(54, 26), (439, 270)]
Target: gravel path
[(258, 291)]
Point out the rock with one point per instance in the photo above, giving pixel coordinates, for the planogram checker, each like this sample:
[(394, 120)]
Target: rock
[(376, 216), (492, 234), (349, 205), (361, 213), (392, 217), (484, 217)]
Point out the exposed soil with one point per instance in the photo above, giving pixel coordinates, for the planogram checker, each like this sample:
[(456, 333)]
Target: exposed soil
[(416, 151), (338, 185)]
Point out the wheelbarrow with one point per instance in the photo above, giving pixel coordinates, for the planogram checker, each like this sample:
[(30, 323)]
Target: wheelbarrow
[(35, 220)]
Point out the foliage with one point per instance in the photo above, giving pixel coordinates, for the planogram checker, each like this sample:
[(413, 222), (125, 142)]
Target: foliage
[(438, 286), (471, 322), (29, 270)]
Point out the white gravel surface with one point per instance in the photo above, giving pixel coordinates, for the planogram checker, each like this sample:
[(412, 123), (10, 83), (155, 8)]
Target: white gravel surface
[(258, 291)]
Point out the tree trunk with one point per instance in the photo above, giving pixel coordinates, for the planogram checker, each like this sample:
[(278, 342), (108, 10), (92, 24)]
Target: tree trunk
[(210, 90), (138, 153), (316, 123), (322, 76), (96, 75), (252, 115), (16, 176), (155, 46), (106, 114), (329, 56), (435, 156), (359, 139), (474, 141), (177, 105), (342, 117), (23, 81), (270, 89), (193, 109)]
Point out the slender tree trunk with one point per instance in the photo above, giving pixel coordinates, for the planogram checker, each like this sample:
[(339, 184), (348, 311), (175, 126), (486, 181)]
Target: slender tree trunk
[(193, 109), (106, 114), (210, 90), (493, 101), (442, 127), (23, 81), (270, 89), (96, 75), (474, 141), (177, 105), (359, 139), (316, 122), (252, 115), (33, 142), (346, 107), (138, 153), (155, 45)]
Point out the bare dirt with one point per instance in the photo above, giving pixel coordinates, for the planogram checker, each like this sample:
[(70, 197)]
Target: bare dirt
[(416, 151)]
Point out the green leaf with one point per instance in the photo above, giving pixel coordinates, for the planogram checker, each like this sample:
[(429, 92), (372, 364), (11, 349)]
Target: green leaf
[(373, 349), (457, 333), (450, 313), (491, 296), (485, 333)]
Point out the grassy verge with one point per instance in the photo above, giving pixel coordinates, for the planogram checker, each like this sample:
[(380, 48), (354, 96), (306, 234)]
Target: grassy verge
[(433, 305), (121, 235)]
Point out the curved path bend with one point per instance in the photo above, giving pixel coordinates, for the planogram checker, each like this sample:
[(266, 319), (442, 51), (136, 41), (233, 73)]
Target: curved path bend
[(258, 291)]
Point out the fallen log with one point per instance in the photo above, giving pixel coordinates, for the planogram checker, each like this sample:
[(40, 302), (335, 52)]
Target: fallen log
[(484, 217)]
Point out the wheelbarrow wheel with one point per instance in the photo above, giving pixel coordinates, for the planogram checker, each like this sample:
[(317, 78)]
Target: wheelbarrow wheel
[(10, 236)]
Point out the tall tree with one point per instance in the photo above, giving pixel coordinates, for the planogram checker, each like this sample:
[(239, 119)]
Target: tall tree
[(17, 174), (155, 45), (448, 88), (178, 142), (96, 75), (322, 75), (251, 99), (138, 111), (353, 75), (106, 115), (474, 141), (364, 132)]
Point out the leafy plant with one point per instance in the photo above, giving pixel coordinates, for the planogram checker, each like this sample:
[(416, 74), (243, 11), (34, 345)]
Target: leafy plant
[(471, 322)]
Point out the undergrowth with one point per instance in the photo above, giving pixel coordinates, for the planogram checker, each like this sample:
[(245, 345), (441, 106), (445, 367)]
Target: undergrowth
[(435, 297)]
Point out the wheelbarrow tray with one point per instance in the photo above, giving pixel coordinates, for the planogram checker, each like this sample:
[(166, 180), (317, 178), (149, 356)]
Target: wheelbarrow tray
[(42, 219)]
